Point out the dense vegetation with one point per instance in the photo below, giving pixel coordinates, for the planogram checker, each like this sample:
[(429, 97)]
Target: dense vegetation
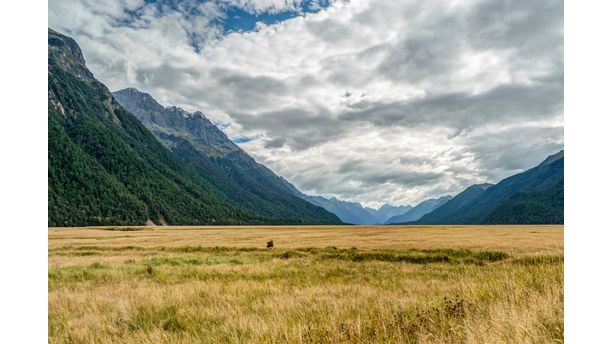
[(229, 169), (420, 210), (540, 207), (527, 186), (106, 168)]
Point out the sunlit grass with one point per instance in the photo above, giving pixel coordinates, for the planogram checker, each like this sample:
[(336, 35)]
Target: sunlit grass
[(155, 291)]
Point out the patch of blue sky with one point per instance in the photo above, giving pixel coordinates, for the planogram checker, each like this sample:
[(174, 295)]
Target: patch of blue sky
[(244, 139), (227, 17), (233, 18), (239, 20)]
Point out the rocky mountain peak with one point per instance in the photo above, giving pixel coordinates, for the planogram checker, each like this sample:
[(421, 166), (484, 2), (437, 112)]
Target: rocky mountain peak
[(137, 97), (482, 186), (174, 122), (552, 158), (65, 52)]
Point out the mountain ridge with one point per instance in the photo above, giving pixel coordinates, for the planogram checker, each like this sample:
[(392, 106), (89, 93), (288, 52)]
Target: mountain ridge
[(106, 168), (355, 213), (541, 177), (419, 210), (456, 204), (538, 207), (201, 144)]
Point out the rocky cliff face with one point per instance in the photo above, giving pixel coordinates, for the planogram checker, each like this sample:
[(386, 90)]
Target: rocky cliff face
[(67, 54), (172, 121), (199, 143)]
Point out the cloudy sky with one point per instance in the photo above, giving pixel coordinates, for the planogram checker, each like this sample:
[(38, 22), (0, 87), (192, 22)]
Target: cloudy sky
[(377, 102)]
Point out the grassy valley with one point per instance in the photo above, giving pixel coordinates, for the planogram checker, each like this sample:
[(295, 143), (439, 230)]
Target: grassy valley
[(323, 284)]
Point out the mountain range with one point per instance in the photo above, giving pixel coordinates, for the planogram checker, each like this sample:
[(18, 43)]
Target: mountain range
[(355, 213), (200, 144), (124, 159), (420, 210), (533, 196), (106, 168)]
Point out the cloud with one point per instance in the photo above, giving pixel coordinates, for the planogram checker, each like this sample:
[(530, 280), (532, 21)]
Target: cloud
[(462, 110), (265, 6), (369, 101)]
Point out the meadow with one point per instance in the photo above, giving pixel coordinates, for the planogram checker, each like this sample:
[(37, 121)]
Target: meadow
[(317, 284)]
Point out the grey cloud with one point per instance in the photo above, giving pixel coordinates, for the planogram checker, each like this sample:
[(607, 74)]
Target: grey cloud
[(461, 110), (513, 150), (299, 128), (275, 143), (367, 172), (330, 30), (166, 75), (262, 85), (353, 70), (451, 94), (521, 24), (421, 57), (399, 178), (238, 92)]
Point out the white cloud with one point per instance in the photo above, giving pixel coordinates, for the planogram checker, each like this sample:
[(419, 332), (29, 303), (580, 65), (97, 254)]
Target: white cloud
[(268, 6), (443, 94)]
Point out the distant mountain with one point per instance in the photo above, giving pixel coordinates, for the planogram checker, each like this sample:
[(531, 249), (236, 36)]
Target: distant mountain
[(351, 212), (540, 186), (539, 207), (234, 173), (420, 210), (458, 205), (384, 213), (552, 158), (348, 212), (106, 168)]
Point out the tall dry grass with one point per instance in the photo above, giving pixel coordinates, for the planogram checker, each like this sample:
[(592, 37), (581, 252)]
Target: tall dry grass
[(393, 286)]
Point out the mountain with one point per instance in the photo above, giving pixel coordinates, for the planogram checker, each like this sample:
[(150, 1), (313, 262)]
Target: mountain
[(173, 125), (348, 212), (552, 158), (539, 207), (420, 210), (459, 204), (106, 168), (355, 213), (234, 173), (501, 203), (351, 212), (385, 212)]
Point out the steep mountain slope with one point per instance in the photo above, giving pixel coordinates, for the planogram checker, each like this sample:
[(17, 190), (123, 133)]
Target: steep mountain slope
[(420, 210), (457, 205), (552, 158), (199, 143), (106, 168), (539, 207), (542, 177)]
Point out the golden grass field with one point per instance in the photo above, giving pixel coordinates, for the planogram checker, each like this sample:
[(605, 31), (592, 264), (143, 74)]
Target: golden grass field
[(319, 284)]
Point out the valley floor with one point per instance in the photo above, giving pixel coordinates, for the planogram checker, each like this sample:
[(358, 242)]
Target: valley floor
[(356, 284)]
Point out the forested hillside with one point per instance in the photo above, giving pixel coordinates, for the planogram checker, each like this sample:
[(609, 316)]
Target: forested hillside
[(533, 196), (106, 168), (233, 172)]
